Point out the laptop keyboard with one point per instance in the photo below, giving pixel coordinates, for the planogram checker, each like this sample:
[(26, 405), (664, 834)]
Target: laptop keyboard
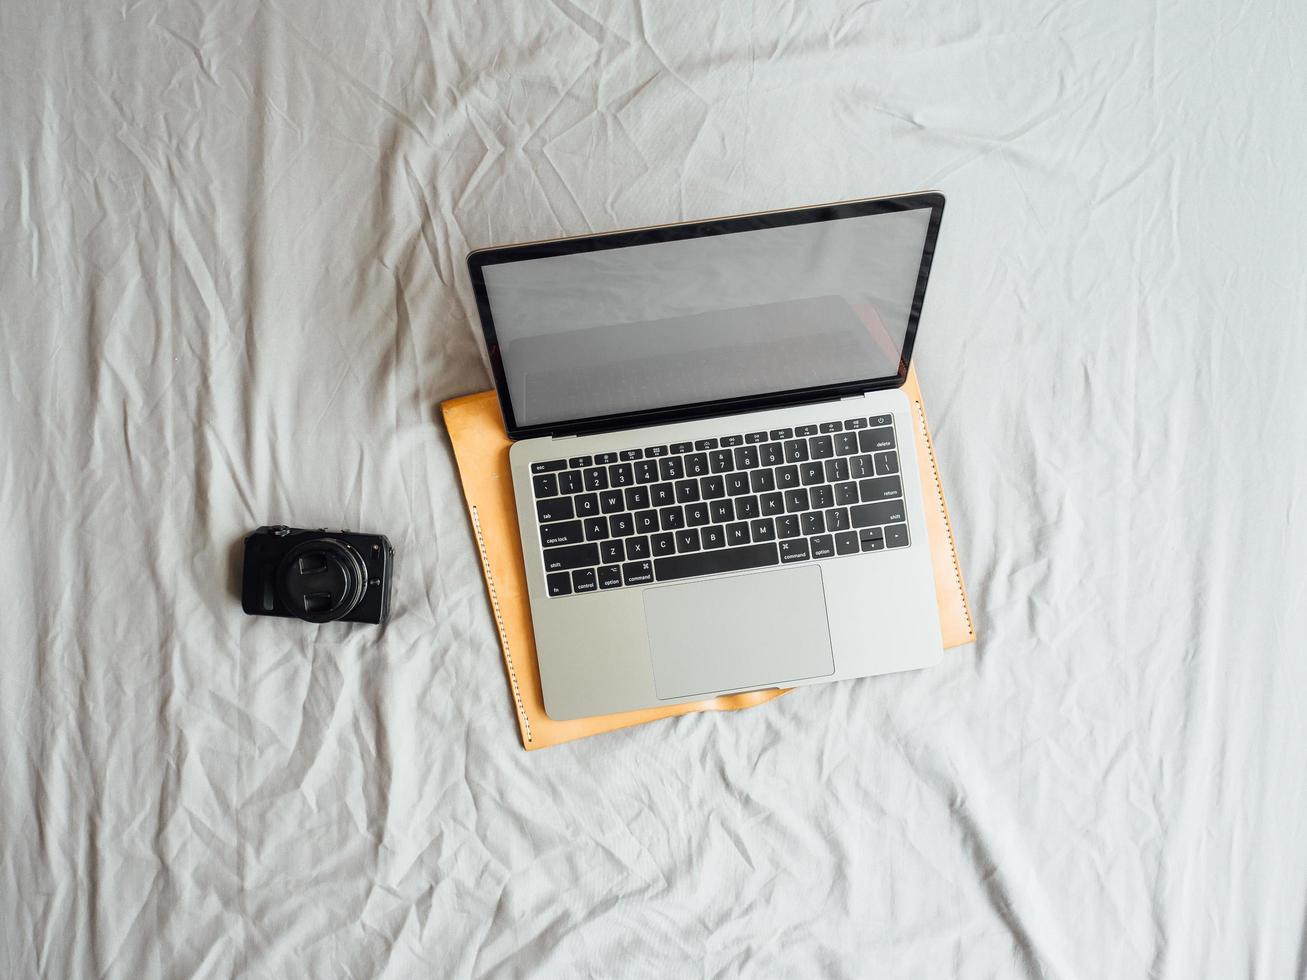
[(669, 512)]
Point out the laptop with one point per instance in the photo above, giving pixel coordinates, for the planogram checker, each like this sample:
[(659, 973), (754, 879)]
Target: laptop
[(713, 462)]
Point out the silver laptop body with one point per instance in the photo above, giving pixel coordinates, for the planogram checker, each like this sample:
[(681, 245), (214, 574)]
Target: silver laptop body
[(714, 466)]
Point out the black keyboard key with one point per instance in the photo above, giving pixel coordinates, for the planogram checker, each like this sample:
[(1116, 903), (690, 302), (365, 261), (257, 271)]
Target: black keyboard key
[(771, 454), (605, 458), (728, 441), (772, 504), (687, 540), (880, 488), (830, 427), (787, 476), (662, 495), (680, 448), (737, 483), (760, 481), (610, 576), (713, 536), (896, 536), (637, 548), (872, 539), (874, 440), (577, 462), (669, 468), (670, 518), (810, 473), (796, 500), (663, 544), (738, 533), (637, 497), (621, 525), (823, 546), (805, 430), (646, 521), (721, 461), (792, 551), (886, 512), (746, 507), (549, 466), (796, 450), (787, 526), (861, 467), (687, 491), (621, 475), (646, 471), (572, 556), (721, 511), (821, 447), (596, 478), (846, 443), (560, 584), (696, 464), (877, 420), (702, 445), (697, 515), (596, 528), (569, 481), (554, 509), (583, 580), (846, 494), (746, 457), (822, 497), (837, 519), (715, 562), (812, 522), (855, 423), (762, 529), (630, 455), (564, 532), (653, 452), (587, 504), (637, 573), (837, 470), (846, 543), (754, 437), (612, 550), (887, 463), (781, 434), (712, 487), (545, 485), (611, 502)]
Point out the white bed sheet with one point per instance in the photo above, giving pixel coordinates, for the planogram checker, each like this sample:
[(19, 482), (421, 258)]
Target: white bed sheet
[(233, 293)]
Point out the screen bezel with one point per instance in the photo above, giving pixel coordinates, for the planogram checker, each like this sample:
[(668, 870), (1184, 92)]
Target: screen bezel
[(479, 259)]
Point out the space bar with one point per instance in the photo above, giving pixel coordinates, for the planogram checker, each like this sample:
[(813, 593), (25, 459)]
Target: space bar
[(712, 562)]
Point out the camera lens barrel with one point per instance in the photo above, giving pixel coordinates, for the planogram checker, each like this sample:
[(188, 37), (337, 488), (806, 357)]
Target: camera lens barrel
[(321, 580)]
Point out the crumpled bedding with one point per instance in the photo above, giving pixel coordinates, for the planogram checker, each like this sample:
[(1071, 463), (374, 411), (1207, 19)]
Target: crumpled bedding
[(233, 294)]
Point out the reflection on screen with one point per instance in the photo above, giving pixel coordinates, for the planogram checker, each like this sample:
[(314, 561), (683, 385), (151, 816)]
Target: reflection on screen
[(673, 323)]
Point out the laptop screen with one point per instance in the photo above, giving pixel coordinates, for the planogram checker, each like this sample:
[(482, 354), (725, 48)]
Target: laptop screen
[(640, 322)]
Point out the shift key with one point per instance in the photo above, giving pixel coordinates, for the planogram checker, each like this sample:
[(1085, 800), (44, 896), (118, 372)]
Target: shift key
[(572, 556)]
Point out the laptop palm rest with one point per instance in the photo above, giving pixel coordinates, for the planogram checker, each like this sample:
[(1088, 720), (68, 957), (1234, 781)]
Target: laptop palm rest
[(743, 631)]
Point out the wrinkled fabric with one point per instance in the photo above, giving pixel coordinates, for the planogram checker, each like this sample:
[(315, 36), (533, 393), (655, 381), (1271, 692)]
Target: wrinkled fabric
[(234, 294)]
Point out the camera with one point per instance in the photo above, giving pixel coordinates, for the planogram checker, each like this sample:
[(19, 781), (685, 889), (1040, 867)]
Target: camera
[(319, 576)]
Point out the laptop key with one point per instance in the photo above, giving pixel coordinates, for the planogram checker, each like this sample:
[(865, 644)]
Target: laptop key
[(787, 526), (861, 467), (810, 473), (728, 441), (545, 485), (812, 522), (610, 576), (796, 550), (554, 509), (621, 475), (646, 471), (611, 501), (652, 452), (787, 476), (605, 458), (872, 539), (874, 440), (572, 556), (637, 548), (662, 495), (896, 536), (755, 437), (637, 573), (696, 514), (621, 525), (762, 529), (596, 478), (885, 512), (628, 455), (549, 466), (887, 463), (846, 443), (687, 539), (796, 451), (587, 504), (878, 420), (830, 427), (823, 546), (646, 521), (696, 464), (637, 497), (737, 483), (722, 511), (837, 519), (583, 580), (681, 448), (779, 434), (705, 444), (746, 457), (569, 481), (805, 430), (559, 584), (855, 423), (772, 504), (821, 447), (837, 470), (846, 494), (669, 468), (822, 497), (796, 500), (687, 491), (846, 543), (760, 481), (714, 562), (721, 461), (579, 462), (746, 507), (563, 532), (612, 550), (738, 533), (596, 528), (671, 518), (880, 488), (712, 487), (772, 454), (713, 537), (663, 544)]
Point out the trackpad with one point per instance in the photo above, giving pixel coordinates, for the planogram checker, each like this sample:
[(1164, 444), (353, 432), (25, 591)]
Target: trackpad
[(745, 631)]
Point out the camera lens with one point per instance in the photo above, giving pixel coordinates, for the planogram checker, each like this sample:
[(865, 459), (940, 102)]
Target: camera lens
[(321, 580)]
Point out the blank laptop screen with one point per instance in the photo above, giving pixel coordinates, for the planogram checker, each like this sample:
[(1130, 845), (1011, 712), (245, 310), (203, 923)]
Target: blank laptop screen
[(673, 323)]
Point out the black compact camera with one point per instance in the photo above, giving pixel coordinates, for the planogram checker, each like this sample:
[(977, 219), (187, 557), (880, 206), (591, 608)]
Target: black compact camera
[(320, 576)]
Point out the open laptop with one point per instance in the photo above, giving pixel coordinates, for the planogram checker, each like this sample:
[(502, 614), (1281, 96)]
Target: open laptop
[(714, 467)]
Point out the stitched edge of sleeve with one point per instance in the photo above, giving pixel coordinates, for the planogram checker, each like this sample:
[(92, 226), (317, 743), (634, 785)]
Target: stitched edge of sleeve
[(499, 623), (939, 496)]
